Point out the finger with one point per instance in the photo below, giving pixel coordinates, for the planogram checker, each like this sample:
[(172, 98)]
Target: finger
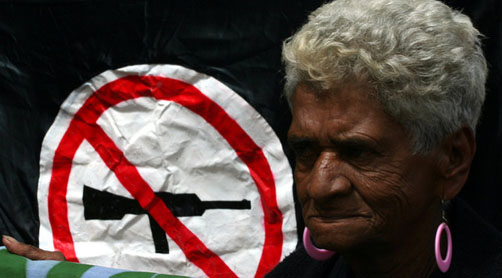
[(29, 251)]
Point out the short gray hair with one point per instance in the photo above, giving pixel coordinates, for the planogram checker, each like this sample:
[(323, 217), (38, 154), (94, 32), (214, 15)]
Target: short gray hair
[(423, 60)]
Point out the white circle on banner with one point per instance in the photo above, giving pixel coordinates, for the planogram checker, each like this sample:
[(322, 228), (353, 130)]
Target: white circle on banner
[(175, 150)]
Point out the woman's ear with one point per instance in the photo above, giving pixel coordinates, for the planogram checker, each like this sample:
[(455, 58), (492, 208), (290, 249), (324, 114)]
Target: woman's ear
[(457, 151)]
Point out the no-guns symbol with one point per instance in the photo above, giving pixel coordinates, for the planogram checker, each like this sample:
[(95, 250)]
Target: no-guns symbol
[(102, 205), (104, 122)]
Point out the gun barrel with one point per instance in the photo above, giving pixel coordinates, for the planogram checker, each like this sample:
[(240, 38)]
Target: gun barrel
[(244, 204), (108, 206), (102, 205)]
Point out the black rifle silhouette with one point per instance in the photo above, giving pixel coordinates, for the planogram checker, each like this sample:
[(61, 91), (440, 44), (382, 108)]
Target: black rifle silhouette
[(102, 205)]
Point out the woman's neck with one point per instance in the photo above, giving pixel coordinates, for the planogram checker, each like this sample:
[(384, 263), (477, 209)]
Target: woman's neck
[(410, 255)]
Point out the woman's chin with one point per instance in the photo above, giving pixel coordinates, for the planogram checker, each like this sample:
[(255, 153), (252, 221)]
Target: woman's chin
[(342, 235)]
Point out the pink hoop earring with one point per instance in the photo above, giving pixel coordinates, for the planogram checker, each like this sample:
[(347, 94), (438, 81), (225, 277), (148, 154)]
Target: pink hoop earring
[(314, 252), (443, 265)]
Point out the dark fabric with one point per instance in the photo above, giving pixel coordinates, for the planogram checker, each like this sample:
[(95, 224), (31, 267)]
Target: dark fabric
[(299, 264), (477, 246), (49, 48), (483, 189), (477, 252)]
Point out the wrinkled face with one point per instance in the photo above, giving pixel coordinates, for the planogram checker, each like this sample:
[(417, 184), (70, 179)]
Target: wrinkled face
[(358, 181)]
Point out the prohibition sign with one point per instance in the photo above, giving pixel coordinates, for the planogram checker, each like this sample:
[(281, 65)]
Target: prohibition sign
[(84, 126)]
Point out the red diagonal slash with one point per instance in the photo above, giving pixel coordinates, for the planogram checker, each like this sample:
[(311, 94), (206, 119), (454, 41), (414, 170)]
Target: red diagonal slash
[(84, 126)]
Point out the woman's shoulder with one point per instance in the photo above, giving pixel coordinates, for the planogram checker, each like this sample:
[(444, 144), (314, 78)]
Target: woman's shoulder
[(477, 245), (300, 264)]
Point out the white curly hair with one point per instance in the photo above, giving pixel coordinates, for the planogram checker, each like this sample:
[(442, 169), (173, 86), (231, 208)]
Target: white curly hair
[(423, 60)]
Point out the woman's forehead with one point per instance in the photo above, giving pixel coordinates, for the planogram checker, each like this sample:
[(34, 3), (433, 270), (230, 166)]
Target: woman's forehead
[(345, 112)]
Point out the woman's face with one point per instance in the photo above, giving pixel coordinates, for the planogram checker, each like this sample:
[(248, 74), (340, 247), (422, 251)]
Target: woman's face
[(358, 181)]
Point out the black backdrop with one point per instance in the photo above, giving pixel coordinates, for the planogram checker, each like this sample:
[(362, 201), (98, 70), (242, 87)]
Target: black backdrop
[(484, 186), (49, 48)]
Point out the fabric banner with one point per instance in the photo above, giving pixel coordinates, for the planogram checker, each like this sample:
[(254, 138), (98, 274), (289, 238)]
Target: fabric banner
[(148, 135), (168, 148), (20, 267), (151, 135)]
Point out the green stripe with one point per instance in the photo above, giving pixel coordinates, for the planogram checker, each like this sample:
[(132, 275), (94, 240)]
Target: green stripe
[(12, 265), (68, 270), (143, 275), (15, 266)]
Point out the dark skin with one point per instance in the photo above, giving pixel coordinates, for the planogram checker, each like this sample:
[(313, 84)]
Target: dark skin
[(363, 191)]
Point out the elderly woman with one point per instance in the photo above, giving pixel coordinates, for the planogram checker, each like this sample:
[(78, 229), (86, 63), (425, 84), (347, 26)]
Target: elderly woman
[(385, 97)]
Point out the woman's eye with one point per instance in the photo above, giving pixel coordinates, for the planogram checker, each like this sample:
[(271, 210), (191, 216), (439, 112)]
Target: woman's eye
[(354, 153), (358, 155), (304, 154)]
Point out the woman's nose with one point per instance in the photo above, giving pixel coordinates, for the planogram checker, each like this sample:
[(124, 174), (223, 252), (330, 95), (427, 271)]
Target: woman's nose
[(328, 178)]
